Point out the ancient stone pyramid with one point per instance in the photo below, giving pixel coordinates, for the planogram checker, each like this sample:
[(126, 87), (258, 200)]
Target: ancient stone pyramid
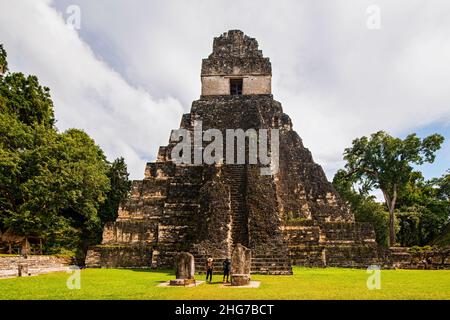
[(292, 217)]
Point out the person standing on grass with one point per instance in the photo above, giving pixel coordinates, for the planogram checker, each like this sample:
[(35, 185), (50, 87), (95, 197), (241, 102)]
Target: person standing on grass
[(209, 269), (226, 269)]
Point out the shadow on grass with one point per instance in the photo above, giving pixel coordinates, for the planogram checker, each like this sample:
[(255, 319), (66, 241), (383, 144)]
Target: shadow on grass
[(165, 272), (213, 282), (160, 281)]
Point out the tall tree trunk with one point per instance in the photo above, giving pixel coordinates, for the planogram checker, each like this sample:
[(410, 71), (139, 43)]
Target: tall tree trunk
[(390, 203), (391, 227)]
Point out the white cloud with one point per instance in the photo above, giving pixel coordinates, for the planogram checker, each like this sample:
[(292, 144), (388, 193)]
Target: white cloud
[(124, 120), (336, 79)]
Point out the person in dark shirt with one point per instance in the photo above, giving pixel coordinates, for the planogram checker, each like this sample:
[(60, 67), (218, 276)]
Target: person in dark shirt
[(226, 269)]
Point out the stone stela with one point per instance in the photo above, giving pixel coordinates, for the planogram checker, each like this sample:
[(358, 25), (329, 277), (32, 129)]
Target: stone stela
[(184, 270), (240, 265), (293, 217)]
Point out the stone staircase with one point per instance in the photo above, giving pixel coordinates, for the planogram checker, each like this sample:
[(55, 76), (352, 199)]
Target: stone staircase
[(265, 260), (270, 263), (236, 176), (200, 264), (271, 260), (333, 244), (398, 257)]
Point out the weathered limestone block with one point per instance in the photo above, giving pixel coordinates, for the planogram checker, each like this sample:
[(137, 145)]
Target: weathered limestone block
[(12, 266), (129, 231), (119, 256), (264, 216), (22, 269), (214, 219), (184, 266), (344, 244), (235, 53), (240, 265), (181, 282), (184, 270), (94, 258), (240, 279)]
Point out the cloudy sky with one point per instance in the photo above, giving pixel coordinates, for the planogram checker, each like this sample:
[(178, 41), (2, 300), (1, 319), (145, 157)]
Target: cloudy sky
[(133, 67)]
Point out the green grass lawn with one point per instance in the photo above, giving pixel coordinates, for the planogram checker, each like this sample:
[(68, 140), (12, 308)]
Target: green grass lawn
[(306, 283)]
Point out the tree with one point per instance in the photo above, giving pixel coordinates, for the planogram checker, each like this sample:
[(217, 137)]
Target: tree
[(364, 206), (3, 60), (118, 193), (23, 135), (24, 98), (385, 162), (443, 186), (52, 184), (57, 181), (423, 210)]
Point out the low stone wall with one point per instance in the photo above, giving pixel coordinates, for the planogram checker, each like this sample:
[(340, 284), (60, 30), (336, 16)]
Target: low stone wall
[(406, 258), (116, 256), (334, 244), (33, 265), (343, 244)]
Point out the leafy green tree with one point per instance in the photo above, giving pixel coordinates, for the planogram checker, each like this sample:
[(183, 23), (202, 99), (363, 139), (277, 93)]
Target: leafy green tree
[(409, 220), (444, 238), (416, 191), (20, 141), (61, 180), (443, 193), (364, 206), (85, 183), (28, 101), (52, 185), (385, 162), (120, 189), (443, 186), (3, 60), (423, 210), (117, 194)]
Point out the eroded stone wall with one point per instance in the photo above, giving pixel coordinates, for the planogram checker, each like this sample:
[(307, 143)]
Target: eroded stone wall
[(9, 265), (315, 243), (236, 55), (252, 84)]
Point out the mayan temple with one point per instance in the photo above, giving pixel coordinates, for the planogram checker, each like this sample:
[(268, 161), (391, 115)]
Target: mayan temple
[(292, 217)]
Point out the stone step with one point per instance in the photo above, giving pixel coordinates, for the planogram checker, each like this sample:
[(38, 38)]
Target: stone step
[(279, 265), (269, 272), (270, 267), (278, 268), (271, 258), (236, 177), (269, 254), (271, 261)]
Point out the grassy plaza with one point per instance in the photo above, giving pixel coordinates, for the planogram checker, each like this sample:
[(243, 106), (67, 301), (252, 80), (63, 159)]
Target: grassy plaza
[(305, 283)]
